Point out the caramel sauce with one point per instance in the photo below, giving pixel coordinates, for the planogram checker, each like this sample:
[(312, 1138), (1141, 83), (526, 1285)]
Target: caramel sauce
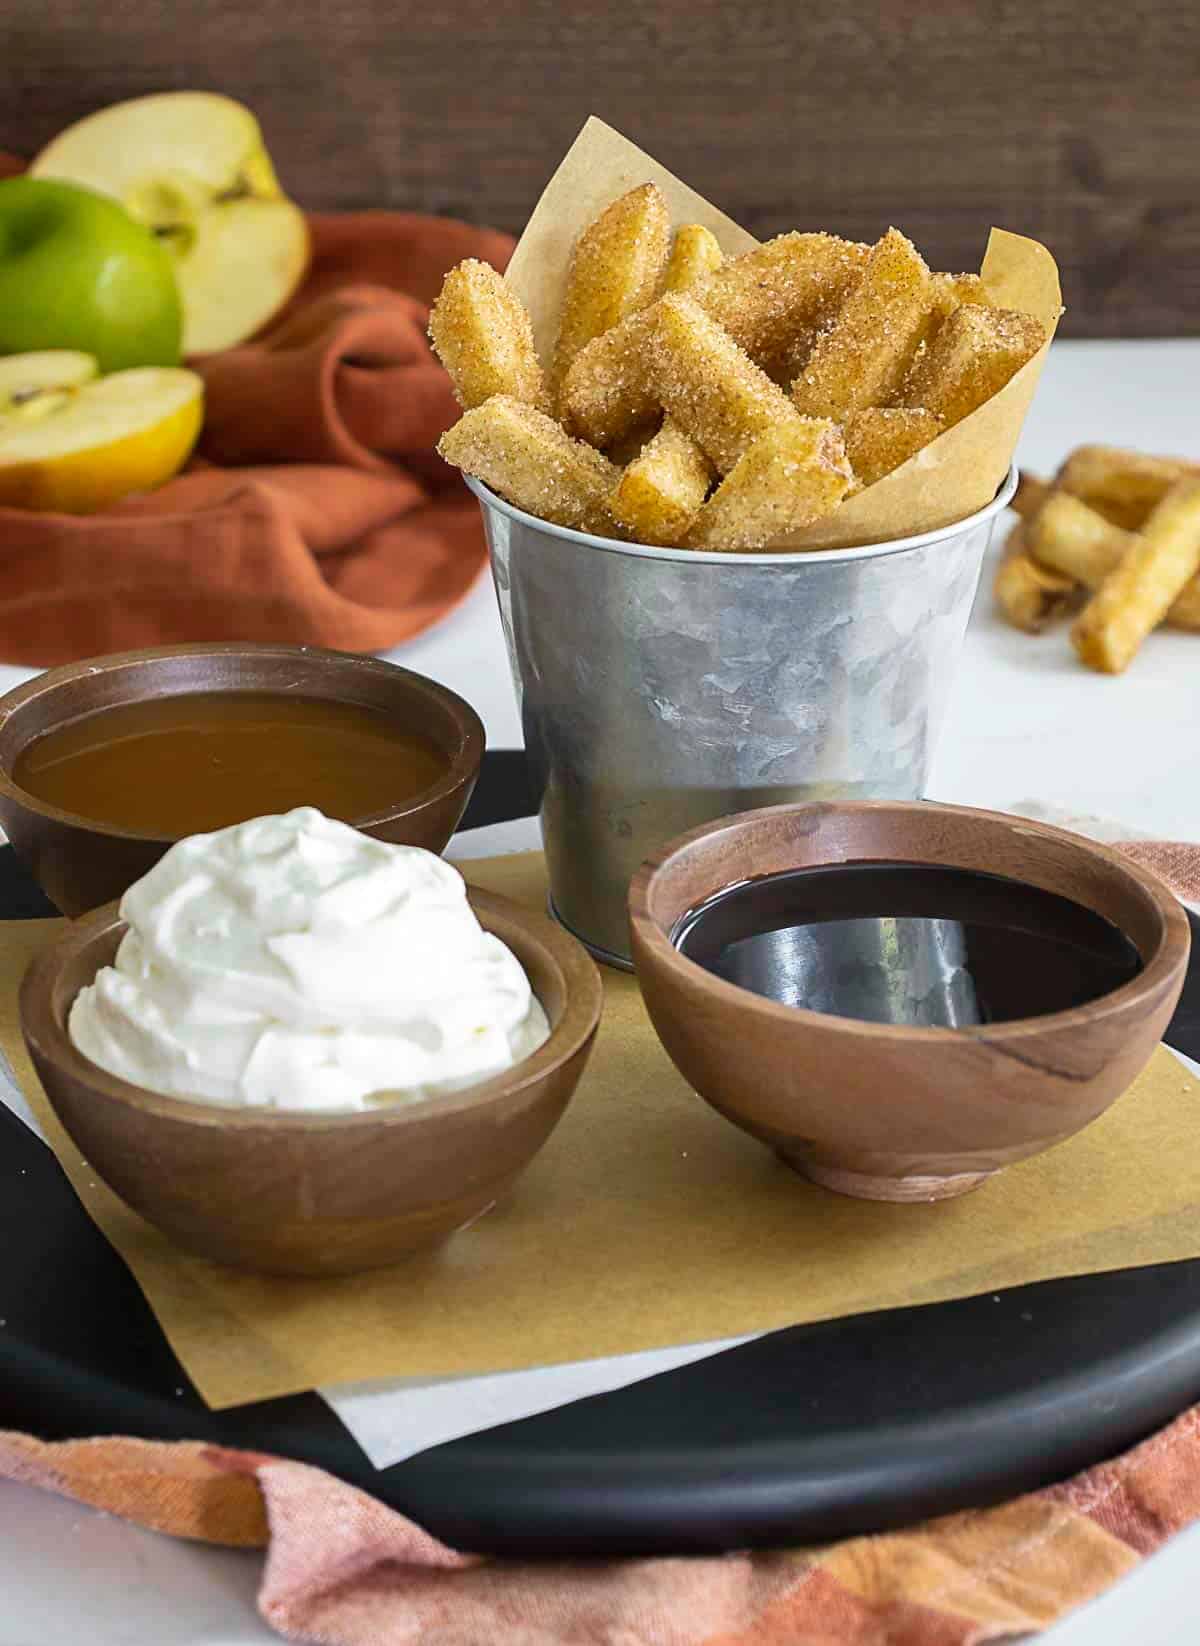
[(205, 760)]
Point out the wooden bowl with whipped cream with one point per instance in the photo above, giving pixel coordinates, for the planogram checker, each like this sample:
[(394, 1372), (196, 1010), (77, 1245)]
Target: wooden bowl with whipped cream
[(314, 1193)]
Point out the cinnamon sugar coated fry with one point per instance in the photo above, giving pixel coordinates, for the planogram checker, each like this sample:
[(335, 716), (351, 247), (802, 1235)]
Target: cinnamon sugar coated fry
[(1069, 536), (695, 255), (661, 490), (880, 438), (482, 335), (1123, 485), (764, 298), (527, 457), (1029, 595), (616, 269), (952, 291), (708, 385), (972, 355), (861, 358), (791, 476), (607, 392), (1136, 596), (675, 368)]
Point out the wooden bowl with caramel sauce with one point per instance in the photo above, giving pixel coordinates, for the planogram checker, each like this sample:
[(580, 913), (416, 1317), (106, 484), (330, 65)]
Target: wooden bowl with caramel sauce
[(104, 764), (287, 1192), (901, 998)]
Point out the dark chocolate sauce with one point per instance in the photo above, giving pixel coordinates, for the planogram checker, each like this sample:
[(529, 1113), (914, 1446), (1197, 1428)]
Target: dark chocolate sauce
[(907, 943)]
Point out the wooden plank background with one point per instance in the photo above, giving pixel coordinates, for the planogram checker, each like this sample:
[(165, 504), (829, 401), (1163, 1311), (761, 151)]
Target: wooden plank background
[(1077, 121)]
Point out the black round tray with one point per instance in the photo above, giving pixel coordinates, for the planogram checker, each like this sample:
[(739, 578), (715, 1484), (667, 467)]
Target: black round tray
[(807, 1434)]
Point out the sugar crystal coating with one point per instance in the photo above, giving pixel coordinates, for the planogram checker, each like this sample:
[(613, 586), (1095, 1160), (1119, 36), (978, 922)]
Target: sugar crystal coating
[(527, 457), (481, 333)]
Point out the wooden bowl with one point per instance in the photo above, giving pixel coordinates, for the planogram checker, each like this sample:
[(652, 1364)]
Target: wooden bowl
[(902, 1113), (298, 1193), (80, 863)]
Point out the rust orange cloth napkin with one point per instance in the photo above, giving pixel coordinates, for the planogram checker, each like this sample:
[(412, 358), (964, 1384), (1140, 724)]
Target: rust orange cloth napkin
[(344, 1570), (316, 511)]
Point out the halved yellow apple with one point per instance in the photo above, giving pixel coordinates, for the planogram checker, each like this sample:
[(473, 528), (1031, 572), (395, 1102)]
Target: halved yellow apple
[(33, 386), (192, 166), (72, 443)]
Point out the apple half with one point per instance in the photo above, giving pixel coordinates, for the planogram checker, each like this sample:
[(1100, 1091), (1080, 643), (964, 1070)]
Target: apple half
[(72, 442), (192, 166)]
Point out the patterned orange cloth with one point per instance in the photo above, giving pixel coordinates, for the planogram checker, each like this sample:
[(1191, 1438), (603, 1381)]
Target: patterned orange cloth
[(316, 511), (344, 1570)]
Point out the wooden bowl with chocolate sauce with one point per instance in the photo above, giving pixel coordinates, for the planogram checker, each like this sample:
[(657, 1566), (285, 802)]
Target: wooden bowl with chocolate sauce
[(903, 998), (104, 764)]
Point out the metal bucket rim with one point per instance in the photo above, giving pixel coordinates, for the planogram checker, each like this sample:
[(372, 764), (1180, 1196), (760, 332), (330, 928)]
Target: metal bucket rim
[(867, 551)]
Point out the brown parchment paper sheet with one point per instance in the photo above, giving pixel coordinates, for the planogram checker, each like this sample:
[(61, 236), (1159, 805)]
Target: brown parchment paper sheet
[(950, 478), (647, 1220)]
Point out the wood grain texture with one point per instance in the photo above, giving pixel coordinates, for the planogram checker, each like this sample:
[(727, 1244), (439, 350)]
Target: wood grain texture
[(1071, 120), (285, 1191), (887, 1112), (80, 864)]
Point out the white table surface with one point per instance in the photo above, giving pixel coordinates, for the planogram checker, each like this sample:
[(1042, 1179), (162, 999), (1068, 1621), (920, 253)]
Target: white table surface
[(1025, 724)]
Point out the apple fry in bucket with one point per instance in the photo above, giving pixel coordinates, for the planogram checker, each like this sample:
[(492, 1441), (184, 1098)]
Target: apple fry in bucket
[(880, 438), (709, 385), (616, 269), (675, 347), (862, 358), (791, 475), (766, 297), (481, 334), (527, 457), (660, 492), (695, 255)]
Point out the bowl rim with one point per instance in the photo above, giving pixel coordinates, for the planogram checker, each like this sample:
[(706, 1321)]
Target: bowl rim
[(787, 557), (1171, 951), (584, 997), (464, 764)]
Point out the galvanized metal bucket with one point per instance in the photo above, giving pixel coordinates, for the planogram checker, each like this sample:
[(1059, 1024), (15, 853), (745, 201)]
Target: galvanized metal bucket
[(662, 688)]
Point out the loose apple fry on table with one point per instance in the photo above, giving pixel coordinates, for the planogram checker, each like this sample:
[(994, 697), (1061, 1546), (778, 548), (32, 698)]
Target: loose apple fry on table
[(616, 269), (1122, 485), (661, 490), (765, 297), (788, 478), (1136, 596), (972, 355), (1030, 596), (861, 359), (695, 255), (708, 385), (1068, 536), (527, 457), (880, 438), (1031, 493), (481, 333)]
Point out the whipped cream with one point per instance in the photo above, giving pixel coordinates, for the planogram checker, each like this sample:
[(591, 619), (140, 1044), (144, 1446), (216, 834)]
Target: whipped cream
[(294, 963)]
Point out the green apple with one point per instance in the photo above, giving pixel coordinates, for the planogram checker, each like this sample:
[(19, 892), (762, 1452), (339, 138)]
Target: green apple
[(192, 166), (76, 272)]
